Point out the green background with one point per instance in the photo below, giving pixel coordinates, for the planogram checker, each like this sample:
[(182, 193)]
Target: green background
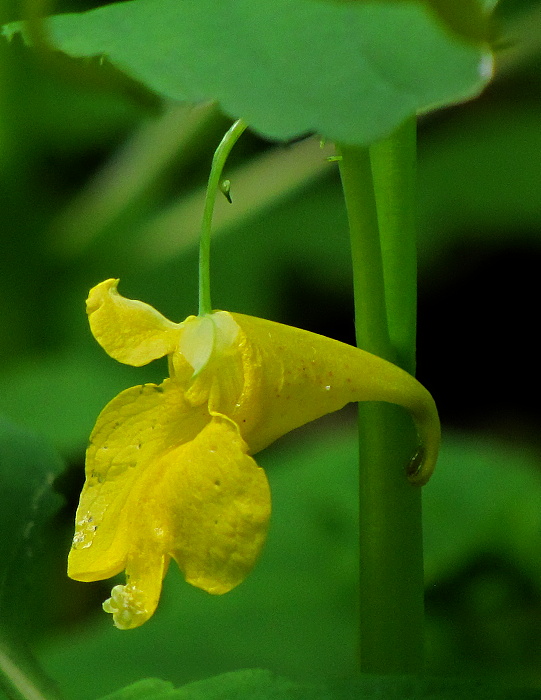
[(100, 178)]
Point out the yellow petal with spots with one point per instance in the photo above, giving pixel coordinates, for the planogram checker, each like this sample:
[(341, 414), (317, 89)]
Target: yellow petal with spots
[(118, 500), (206, 503), (130, 331), (218, 501), (294, 376)]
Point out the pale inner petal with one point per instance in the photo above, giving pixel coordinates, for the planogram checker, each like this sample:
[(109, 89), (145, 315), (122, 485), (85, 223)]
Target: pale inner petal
[(197, 342)]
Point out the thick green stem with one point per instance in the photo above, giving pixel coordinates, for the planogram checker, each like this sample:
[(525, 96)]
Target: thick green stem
[(218, 162), (390, 537), (368, 284), (393, 167), (391, 559)]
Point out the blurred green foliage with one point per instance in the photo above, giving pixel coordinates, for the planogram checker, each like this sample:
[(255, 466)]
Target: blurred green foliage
[(28, 469), (98, 180), (262, 685)]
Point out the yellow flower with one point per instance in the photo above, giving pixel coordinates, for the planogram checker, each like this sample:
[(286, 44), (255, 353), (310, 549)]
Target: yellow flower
[(168, 468)]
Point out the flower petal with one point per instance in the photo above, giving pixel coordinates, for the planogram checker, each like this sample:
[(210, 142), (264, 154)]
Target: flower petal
[(129, 331), (297, 376), (122, 465), (218, 501), (208, 505), (134, 603)]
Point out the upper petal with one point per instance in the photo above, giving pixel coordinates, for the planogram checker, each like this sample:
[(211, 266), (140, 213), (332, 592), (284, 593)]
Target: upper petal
[(130, 331), (122, 465), (297, 376)]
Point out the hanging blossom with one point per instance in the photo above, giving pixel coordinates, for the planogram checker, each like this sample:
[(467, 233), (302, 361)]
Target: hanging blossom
[(169, 471)]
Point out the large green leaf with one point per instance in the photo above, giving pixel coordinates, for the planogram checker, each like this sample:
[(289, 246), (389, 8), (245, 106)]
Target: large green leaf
[(349, 71)]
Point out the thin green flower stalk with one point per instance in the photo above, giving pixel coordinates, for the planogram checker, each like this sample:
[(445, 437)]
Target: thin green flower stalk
[(218, 163)]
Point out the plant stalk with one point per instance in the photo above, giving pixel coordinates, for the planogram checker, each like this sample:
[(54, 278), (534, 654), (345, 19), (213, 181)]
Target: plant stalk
[(394, 163), (368, 283), (390, 534), (218, 162)]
